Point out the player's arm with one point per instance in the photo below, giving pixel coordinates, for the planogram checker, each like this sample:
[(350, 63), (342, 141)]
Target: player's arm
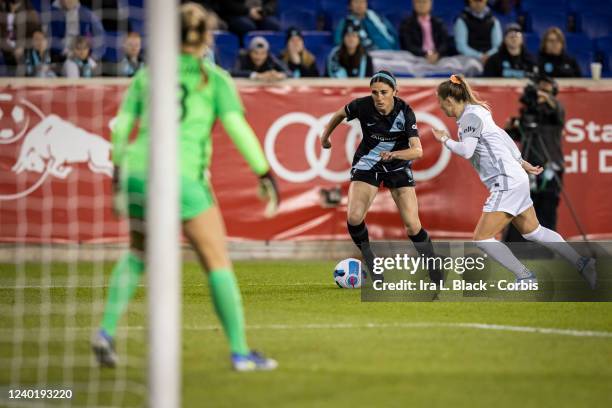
[(415, 150), (129, 112), (471, 130), (333, 123), (230, 112)]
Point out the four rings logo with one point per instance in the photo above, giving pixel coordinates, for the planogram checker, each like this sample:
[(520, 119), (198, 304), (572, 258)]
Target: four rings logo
[(318, 165)]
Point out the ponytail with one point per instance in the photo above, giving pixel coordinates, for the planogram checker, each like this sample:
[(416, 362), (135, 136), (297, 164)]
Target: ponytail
[(193, 30), (457, 88)]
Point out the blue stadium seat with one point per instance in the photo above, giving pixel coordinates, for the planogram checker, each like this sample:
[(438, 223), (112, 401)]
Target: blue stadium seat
[(539, 23), (314, 40), (226, 47), (582, 48), (596, 24), (388, 7), (532, 42), (603, 49), (448, 15), (114, 47), (581, 6), (505, 19), (275, 38), (540, 7), (304, 19)]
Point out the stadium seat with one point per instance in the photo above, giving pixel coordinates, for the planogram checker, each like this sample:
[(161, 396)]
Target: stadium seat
[(532, 42), (319, 43), (390, 7), (505, 19), (582, 48), (603, 50), (539, 7), (304, 19), (595, 24), (581, 6), (227, 47), (114, 44), (275, 38), (541, 22)]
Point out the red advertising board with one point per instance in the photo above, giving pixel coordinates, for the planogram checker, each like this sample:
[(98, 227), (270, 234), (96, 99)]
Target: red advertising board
[(55, 167)]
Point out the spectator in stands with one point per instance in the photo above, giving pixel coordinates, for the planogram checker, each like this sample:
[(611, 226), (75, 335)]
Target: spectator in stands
[(18, 21), (512, 60), (350, 59), (299, 60), (554, 60), (79, 63), (376, 31), (258, 63), (38, 60), (132, 59), (243, 16), (424, 35), (69, 20), (478, 33)]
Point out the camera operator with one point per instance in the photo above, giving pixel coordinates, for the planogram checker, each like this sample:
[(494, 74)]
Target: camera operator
[(539, 130)]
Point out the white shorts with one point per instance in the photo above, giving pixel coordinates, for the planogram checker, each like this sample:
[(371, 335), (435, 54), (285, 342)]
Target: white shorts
[(514, 201)]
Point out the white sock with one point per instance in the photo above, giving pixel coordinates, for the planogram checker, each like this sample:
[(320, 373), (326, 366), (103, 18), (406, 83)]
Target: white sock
[(555, 242), (502, 254)]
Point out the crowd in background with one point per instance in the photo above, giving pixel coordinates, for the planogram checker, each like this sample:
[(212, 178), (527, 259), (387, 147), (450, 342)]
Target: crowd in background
[(68, 40)]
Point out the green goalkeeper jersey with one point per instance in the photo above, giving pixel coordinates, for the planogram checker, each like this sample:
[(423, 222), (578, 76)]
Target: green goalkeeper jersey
[(201, 103)]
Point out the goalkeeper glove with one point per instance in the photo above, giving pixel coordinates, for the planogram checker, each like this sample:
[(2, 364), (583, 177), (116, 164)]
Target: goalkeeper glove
[(268, 191)]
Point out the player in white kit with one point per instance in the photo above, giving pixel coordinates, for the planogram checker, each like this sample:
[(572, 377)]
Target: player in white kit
[(502, 170)]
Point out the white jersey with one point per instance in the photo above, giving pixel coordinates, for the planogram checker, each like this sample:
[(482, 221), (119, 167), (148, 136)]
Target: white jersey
[(496, 157)]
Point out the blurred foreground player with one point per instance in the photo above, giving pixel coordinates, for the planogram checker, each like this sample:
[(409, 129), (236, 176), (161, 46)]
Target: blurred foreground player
[(390, 143), (207, 94), (502, 170)]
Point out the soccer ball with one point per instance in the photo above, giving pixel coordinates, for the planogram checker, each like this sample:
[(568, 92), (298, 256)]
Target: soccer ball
[(349, 274)]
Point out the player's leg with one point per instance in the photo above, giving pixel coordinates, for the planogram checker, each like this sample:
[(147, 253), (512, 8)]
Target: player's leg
[(527, 224), (125, 277), (406, 200), (489, 225), (206, 233), (360, 198)]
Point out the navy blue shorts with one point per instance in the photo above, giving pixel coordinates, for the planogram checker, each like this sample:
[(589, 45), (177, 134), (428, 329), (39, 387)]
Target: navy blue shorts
[(390, 179)]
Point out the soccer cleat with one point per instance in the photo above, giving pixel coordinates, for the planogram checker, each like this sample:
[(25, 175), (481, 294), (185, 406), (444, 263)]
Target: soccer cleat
[(531, 278), (103, 347), (254, 361), (586, 267), (368, 258)]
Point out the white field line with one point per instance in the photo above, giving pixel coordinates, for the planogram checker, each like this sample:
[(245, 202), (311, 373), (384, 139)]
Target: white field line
[(338, 326)]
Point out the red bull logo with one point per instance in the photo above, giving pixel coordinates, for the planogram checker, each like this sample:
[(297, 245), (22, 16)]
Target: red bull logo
[(50, 146)]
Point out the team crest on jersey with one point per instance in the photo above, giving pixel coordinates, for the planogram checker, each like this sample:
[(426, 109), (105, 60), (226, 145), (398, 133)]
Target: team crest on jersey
[(399, 124)]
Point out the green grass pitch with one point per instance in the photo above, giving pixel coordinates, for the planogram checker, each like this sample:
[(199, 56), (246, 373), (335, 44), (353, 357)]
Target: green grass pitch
[(333, 350)]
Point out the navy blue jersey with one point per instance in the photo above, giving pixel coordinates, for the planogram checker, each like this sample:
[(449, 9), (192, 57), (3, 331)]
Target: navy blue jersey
[(381, 133)]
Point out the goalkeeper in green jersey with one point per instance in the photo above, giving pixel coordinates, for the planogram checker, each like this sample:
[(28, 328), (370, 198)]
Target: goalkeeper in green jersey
[(207, 93)]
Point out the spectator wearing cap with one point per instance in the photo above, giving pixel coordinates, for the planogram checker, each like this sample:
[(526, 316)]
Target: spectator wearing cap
[(79, 63), (299, 61), (424, 35), (243, 16), (350, 59), (259, 64), (512, 60), (69, 20), (554, 60), (478, 33), (376, 32)]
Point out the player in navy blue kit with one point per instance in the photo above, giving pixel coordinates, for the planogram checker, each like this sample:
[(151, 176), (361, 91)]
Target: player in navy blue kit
[(390, 143)]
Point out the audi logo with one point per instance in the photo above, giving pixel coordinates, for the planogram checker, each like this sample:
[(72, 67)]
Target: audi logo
[(318, 165)]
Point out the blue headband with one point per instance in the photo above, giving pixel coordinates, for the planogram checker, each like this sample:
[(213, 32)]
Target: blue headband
[(383, 75)]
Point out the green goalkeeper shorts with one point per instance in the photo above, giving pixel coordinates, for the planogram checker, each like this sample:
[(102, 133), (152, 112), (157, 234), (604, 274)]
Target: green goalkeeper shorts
[(195, 197)]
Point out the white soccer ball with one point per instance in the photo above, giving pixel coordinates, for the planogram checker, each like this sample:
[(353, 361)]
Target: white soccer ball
[(349, 274)]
